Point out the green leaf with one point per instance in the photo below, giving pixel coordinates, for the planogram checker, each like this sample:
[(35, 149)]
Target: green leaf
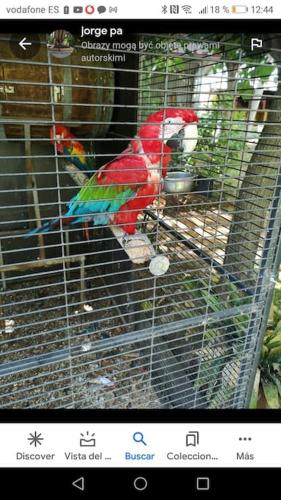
[(277, 382), (275, 341), (263, 71), (268, 337), (255, 393), (264, 352), (271, 394), (245, 89), (278, 328), (274, 355)]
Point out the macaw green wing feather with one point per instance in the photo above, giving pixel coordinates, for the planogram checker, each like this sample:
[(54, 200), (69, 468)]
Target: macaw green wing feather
[(108, 189), (99, 199)]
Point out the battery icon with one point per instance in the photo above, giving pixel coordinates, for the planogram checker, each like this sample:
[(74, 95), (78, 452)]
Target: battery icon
[(239, 9)]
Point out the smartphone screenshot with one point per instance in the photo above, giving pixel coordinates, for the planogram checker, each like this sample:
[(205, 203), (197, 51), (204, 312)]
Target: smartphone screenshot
[(140, 250)]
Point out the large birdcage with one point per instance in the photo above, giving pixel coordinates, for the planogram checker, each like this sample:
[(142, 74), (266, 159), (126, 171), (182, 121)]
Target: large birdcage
[(86, 324)]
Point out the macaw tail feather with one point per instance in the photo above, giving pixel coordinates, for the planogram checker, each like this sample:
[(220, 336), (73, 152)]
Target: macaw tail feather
[(50, 225), (45, 228)]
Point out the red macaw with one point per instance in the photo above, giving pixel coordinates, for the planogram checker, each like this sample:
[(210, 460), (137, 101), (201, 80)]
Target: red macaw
[(72, 150), (119, 191)]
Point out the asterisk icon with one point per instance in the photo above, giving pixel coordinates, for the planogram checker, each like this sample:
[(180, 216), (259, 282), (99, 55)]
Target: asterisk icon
[(35, 438)]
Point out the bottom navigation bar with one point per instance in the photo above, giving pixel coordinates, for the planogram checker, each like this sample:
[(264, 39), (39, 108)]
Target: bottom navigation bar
[(97, 445)]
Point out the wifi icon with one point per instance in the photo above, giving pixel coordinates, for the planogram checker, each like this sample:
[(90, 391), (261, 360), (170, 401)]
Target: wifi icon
[(187, 9)]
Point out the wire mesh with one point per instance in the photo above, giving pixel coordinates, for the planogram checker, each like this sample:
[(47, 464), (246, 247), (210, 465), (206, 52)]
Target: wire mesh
[(82, 326)]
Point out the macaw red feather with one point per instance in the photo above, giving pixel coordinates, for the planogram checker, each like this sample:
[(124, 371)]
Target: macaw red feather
[(123, 187), (64, 134), (130, 170)]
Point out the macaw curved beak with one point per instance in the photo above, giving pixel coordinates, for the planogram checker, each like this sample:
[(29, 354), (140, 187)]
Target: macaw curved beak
[(175, 141), (58, 139), (185, 140)]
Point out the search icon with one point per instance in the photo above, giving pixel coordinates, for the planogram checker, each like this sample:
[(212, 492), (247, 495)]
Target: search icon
[(138, 438)]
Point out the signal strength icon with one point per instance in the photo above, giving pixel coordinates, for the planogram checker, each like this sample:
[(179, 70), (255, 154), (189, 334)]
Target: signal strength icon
[(204, 11)]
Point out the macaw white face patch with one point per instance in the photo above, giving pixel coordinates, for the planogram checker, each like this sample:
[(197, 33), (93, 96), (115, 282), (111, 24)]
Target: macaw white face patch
[(173, 126), (170, 127), (190, 138)]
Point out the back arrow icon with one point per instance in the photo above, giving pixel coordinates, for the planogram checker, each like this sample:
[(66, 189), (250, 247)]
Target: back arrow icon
[(79, 483), (23, 43)]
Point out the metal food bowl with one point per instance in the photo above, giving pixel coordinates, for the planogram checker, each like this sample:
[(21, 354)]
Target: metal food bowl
[(178, 182)]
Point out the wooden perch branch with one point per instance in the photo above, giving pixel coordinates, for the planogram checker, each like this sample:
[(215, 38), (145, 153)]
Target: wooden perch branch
[(138, 250)]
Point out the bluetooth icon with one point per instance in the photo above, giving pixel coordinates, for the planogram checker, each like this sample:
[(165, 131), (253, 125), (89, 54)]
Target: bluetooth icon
[(164, 9)]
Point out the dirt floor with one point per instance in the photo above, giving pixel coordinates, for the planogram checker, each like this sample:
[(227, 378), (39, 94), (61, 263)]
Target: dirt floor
[(56, 349), (43, 320)]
